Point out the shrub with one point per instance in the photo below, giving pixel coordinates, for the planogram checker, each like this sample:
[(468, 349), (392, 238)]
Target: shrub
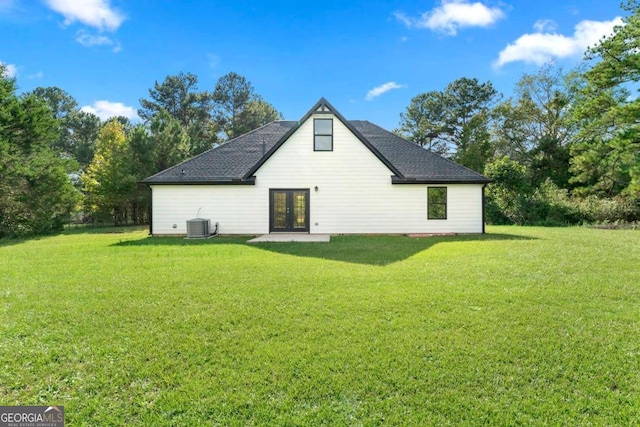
[(602, 211), (554, 206), (511, 199), (508, 195)]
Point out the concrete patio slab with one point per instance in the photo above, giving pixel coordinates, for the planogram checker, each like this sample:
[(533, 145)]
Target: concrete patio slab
[(291, 237)]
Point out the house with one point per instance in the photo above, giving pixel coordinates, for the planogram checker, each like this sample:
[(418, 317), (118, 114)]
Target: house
[(322, 174)]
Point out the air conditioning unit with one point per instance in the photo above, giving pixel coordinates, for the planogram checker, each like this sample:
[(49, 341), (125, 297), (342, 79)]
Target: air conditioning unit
[(198, 228)]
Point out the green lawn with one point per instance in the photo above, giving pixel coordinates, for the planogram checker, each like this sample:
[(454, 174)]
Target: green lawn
[(522, 326)]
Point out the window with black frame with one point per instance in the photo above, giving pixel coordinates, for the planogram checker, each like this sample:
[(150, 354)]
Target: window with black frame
[(323, 134), (437, 203)]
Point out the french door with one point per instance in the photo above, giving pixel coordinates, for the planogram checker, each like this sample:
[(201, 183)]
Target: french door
[(288, 210)]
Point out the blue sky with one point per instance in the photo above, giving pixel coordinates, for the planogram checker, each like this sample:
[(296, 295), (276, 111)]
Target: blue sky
[(368, 58)]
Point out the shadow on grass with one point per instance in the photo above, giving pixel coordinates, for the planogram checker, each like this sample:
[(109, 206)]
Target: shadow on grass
[(374, 250), (11, 241), (181, 241), (371, 250), (122, 229), (125, 229)]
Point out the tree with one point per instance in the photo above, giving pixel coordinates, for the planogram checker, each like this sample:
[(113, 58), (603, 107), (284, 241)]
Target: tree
[(237, 109), (453, 122), (126, 124), (179, 97), (37, 195), (509, 194), (171, 143), (510, 137), (61, 104), (78, 129), (534, 126), (142, 166), (606, 156), (425, 120), (109, 181), (83, 129), (142, 147), (256, 113), (230, 96)]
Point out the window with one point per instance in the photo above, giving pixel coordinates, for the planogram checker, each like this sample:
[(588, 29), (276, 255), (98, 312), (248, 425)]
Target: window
[(437, 203), (323, 134)]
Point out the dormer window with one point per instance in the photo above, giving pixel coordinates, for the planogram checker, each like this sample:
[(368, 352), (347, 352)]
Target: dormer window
[(323, 134)]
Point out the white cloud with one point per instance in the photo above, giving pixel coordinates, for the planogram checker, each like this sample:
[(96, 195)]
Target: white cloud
[(107, 109), (540, 47), (10, 70), (400, 16), (37, 75), (379, 90), (545, 25), (86, 39), (589, 33), (452, 15), (94, 13)]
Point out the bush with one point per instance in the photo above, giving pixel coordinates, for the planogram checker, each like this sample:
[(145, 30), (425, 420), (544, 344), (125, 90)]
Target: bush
[(510, 199), (550, 205), (554, 206), (604, 211), (509, 194)]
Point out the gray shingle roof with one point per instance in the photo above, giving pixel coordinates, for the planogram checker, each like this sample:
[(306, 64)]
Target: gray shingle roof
[(227, 163), (412, 161), (237, 160)]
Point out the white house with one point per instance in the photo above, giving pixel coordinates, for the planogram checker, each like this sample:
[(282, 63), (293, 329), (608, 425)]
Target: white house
[(322, 174)]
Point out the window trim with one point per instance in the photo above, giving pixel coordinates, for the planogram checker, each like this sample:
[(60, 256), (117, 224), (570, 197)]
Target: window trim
[(429, 203), (330, 135)]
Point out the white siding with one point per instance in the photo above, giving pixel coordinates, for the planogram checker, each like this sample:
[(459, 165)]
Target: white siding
[(239, 209), (355, 194)]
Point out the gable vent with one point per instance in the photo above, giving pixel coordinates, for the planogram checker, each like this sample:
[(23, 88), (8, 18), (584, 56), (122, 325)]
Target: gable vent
[(198, 227)]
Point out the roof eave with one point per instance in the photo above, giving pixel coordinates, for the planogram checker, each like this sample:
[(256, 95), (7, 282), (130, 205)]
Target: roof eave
[(231, 181), (479, 180)]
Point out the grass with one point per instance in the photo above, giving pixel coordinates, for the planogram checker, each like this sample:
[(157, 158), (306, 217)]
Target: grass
[(522, 326)]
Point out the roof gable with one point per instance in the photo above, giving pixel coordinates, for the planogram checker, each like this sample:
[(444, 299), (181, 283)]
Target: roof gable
[(323, 107)]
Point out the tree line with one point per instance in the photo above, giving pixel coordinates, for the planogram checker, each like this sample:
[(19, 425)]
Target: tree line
[(563, 149), (57, 160)]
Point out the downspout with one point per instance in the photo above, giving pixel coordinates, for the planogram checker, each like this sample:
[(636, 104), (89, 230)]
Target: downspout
[(150, 211), (483, 208)]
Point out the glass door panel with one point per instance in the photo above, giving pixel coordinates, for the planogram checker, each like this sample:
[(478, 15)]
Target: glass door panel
[(299, 217), (280, 210)]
